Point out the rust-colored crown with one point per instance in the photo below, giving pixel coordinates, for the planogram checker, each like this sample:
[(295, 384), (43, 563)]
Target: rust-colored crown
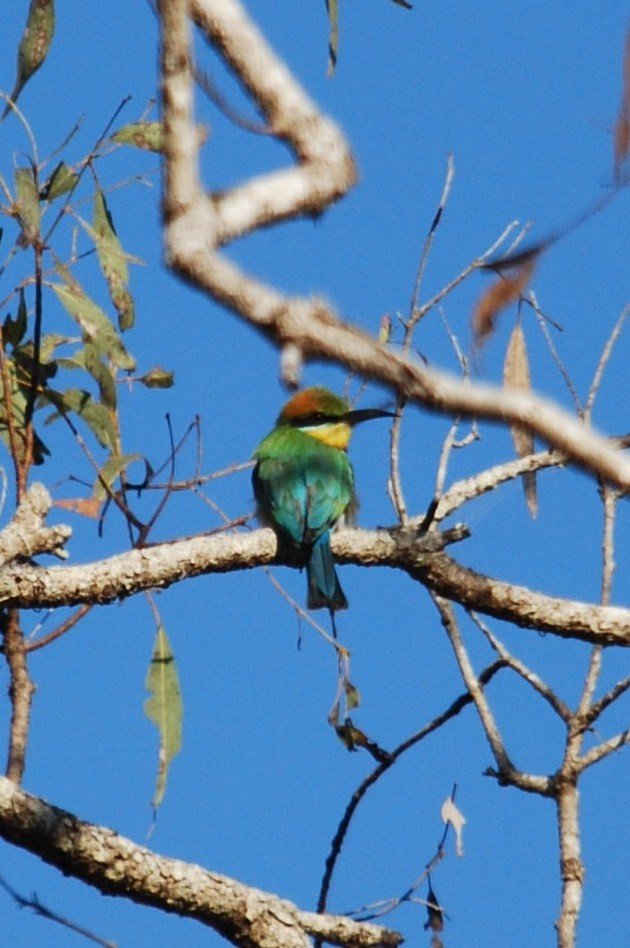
[(311, 402)]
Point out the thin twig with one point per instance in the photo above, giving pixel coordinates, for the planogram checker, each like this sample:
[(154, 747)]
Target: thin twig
[(87, 162), (197, 480), (562, 710), (61, 629), (506, 772), (302, 614), (41, 910), (605, 749), (598, 707), (603, 362), (555, 355), (164, 499), (414, 312), (475, 265), (461, 702)]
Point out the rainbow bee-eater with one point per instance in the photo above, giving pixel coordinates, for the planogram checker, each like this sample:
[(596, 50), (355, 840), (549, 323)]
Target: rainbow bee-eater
[(303, 482)]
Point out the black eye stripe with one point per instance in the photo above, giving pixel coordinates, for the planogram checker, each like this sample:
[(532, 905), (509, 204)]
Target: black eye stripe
[(317, 418)]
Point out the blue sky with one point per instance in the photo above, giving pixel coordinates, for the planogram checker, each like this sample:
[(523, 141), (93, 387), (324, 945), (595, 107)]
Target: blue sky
[(525, 97)]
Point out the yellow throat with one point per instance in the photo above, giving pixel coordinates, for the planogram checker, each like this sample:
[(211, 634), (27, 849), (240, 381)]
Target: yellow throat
[(334, 434)]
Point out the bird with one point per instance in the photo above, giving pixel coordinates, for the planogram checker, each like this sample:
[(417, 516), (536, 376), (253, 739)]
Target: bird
[(304, 482)]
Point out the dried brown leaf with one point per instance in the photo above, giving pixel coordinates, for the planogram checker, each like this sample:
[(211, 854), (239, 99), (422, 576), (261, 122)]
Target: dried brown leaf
[(86, 506), (516, 374), (507, 289), (622, 127)]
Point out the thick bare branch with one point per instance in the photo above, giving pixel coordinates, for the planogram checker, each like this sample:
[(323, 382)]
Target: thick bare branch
[(21, 691), (117, 866), (571, 865), (196, 225), (26, 535), (31, 586)]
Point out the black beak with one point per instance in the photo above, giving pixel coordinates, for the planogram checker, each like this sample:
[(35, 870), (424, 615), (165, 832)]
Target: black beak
[(365, 414)]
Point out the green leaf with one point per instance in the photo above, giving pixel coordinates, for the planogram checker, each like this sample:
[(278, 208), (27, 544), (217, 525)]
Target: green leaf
[(164, 708), (19, 385), (353, 696), (146, 135), (27, 203), (81, 403), (65, 273), (62, 180), (104, 378), (97, 328), (34, 45), (158, 378), (113, 261), (114, 466), (13, 329), (52, 341)]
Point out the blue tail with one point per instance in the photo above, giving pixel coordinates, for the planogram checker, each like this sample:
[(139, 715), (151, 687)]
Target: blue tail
[(324, 589)]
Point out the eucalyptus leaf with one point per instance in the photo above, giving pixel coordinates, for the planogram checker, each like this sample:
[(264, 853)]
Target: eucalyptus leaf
[(103, 377), (158, 378), (146, 135), (13, 329), (27, 203), (114, 466), (164, 708), (62, 180), (34, 45), (96, 326), (81, 403), (113, 261)]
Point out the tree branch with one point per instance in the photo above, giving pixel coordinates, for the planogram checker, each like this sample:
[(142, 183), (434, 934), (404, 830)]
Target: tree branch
[(115, 865), (196, 225), (26, 534), (31, 586)]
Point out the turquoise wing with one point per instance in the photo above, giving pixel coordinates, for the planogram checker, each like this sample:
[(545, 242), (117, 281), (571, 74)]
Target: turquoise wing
[(303, 492)]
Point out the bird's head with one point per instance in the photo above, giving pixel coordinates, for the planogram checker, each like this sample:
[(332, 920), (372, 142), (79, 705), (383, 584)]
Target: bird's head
[(323, 415)]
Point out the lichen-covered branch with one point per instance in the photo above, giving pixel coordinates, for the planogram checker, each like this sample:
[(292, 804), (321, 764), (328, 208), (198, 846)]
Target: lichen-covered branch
[(27, 585), (117, 866), (26, 535)]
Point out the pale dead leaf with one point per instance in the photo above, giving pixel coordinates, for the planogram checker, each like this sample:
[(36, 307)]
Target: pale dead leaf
[(516, 375), (451, 814)]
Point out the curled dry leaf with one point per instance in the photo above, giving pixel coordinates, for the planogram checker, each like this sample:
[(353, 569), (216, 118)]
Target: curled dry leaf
[(622, 126), (435, 915), (516, 374), (507, 289)]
